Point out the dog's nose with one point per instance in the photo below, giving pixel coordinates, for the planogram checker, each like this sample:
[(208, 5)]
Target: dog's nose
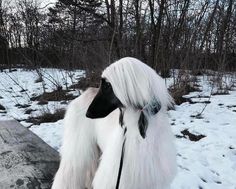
[(89, 114)]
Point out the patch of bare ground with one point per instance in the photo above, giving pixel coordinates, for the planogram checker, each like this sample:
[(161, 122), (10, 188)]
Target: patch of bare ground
[(193, 137), (57, 95), (22, 105), (2, 107), (195, 102), (47, 117), (221, 92), (197, 116), (29, 111), (231, 106)]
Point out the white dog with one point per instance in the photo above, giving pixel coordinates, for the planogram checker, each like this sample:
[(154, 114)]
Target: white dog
[(118, 136)]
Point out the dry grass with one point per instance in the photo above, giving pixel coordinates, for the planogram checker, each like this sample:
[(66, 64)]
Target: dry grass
[(92, 80), (185, 83), (178, 91), (221, 85)]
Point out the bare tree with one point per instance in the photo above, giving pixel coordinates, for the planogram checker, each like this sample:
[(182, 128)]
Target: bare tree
[(91, 34)]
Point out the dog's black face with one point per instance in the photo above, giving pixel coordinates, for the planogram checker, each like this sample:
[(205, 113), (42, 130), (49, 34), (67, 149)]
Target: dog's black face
[(104, 102)]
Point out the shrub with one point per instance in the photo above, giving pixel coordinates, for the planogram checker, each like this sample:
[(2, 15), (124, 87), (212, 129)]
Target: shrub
[(92, 79)]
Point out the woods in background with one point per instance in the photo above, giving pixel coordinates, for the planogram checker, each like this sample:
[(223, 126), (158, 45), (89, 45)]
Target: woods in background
[(90, 34)]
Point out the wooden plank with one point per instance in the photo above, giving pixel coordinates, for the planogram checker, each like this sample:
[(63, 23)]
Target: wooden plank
[(26, 161)]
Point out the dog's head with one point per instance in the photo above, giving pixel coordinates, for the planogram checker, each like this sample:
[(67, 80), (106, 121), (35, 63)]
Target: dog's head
[(129, 83), (104, 102)]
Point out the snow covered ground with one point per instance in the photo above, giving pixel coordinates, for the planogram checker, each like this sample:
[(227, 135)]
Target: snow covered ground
[(17, 88), (209, 162)]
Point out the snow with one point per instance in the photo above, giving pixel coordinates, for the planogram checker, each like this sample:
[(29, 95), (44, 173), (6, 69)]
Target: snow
[(51, 133), (13, 83), (204, 164), (209, 162)]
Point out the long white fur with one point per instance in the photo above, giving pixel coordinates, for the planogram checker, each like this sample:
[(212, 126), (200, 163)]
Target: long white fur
[(148, 163)]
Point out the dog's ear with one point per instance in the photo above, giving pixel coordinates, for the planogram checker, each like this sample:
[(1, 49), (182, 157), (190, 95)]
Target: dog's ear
[(104, 102), (150, 109), (142, 124)]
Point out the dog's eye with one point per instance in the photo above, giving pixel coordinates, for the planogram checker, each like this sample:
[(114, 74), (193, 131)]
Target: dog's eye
[(107, 85)]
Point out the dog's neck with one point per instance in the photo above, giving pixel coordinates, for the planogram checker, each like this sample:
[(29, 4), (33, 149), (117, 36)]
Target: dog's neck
[(129, 119)]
